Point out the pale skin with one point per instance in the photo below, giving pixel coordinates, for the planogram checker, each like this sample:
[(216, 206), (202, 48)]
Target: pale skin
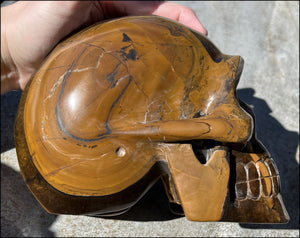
[(30, 30)]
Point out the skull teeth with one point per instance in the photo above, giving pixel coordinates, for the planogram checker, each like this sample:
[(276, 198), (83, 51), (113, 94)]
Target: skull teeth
[(257, 179)]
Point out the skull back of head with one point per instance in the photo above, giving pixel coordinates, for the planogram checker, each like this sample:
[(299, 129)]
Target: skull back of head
[(127, 102)]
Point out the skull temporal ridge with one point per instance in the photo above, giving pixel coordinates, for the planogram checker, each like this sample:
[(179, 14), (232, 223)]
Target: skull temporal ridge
[(127, 102)]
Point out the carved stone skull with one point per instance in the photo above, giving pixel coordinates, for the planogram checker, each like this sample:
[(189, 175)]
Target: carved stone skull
[(127, 102)]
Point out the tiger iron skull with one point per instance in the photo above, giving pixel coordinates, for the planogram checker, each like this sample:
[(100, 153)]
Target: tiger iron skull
[(124, 103)]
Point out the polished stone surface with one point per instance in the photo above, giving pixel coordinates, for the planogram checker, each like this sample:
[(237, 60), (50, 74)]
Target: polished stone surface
[(266, 35)]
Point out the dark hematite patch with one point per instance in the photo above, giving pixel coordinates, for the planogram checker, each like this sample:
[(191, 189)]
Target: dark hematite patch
[(132, 54), (126, 38)]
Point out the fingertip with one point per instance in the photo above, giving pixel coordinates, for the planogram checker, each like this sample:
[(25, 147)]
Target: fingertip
[(195, 24), (202, 30), (189, 17)]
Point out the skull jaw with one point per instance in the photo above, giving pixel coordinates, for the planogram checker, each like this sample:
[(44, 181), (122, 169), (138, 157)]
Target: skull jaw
[(248, 211), (251, 193)]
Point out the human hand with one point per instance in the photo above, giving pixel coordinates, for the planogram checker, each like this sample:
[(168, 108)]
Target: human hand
[(31, 29)]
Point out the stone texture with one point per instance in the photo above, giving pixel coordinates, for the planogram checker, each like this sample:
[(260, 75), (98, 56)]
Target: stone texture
[(266, 35)]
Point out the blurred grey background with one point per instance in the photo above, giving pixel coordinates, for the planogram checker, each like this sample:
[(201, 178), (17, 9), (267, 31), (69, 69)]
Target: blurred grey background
[(266, 35)]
